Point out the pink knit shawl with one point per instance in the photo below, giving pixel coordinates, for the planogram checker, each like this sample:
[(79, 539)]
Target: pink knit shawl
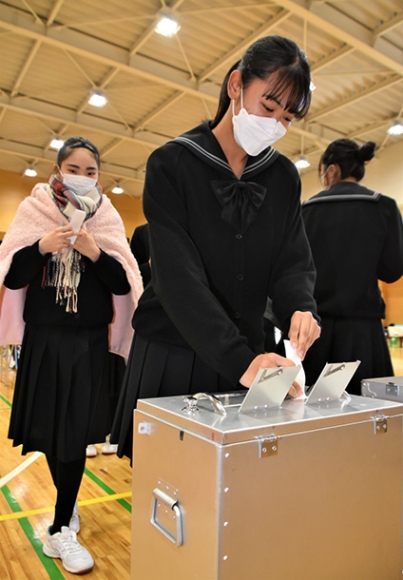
[(36, 216)]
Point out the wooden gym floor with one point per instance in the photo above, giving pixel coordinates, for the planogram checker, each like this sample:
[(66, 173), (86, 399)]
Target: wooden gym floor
[(27, 497), (26, 508)]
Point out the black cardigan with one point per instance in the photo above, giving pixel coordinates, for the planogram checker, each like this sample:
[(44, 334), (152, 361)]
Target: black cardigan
[(210, 279), (98, 281)]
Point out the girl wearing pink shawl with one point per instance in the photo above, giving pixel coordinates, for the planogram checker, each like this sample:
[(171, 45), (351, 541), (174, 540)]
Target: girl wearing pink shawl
[(68, 298)]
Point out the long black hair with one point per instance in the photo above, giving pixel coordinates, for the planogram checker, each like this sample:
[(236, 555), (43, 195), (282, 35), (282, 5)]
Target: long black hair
[(74, 143), (267, 56), (349, 156)]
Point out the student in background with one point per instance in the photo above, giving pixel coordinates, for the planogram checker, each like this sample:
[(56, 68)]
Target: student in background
[(76, 299), (356, 237)]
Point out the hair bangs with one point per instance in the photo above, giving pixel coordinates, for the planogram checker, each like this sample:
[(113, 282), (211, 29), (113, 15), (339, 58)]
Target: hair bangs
[(292, 82)]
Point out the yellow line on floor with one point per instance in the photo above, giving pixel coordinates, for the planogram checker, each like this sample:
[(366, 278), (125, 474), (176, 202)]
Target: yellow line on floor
[(94, 500)]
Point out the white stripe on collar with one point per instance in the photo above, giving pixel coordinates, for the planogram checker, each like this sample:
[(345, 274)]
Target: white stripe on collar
[(225, 164)]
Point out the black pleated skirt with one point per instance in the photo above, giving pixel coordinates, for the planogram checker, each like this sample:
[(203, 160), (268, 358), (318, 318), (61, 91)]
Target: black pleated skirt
[(345, 340), (62, 395), (157, 369)]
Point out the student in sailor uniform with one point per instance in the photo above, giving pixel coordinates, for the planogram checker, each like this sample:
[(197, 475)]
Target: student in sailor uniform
[(225, 228), (69, 301), (356, 237)]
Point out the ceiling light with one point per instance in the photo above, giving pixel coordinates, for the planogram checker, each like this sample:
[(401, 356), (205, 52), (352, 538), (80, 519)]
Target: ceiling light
[(117, 189), (56, 143), (30, 172), (97, 99), (302, 163), (396, 129), (167, 26)]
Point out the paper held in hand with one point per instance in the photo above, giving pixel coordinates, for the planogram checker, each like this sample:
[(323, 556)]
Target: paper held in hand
[(76, 222)]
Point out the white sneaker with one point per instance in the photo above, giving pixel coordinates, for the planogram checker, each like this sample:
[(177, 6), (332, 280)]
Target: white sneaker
[(108, 448), (74, 524), (91, 450), (75, 558)]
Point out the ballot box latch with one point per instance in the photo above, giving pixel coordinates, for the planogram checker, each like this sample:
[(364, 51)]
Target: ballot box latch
[(380, 424), (268, 445)]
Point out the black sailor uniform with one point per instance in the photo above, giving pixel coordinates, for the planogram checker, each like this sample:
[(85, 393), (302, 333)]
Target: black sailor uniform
[(219, 247), (62, 391), (356, 237)]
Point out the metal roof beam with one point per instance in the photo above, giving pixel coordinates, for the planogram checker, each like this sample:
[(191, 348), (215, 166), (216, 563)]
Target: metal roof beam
[(331, 58), (77, 42), (388, 25), (334, 22), (354, 98), (86, 121), (27, 64), (233, 54)]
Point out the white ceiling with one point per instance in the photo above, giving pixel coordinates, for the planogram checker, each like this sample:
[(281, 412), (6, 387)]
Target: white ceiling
[(54, 53)]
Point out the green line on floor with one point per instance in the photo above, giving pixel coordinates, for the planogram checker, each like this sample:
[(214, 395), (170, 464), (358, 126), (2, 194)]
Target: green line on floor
[(5, 400), (48, 563), (107, 489)]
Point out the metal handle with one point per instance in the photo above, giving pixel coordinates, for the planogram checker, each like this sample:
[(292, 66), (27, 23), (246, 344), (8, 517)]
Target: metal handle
[(218, 406), (167, 500)]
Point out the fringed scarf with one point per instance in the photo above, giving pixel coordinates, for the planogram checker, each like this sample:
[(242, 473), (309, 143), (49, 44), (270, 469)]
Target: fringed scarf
[(36, 216), (63, 270)]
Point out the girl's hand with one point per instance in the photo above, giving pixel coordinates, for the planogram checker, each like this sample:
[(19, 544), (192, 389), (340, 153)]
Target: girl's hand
[(269, 360), (56, 240), (304, 330), (86, 245)]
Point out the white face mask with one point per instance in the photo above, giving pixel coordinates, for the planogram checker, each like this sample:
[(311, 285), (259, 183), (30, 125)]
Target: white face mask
[(254, 133), (80, 184)]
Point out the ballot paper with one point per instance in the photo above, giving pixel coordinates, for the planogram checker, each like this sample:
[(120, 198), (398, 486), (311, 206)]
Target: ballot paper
[(76, 222), (291, 353)]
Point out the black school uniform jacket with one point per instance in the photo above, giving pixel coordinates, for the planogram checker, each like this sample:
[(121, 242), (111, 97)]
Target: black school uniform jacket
[(356, 236), (219, 247)]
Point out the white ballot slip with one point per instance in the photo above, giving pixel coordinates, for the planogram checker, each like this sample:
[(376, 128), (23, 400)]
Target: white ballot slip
[(291, 353), (76, 222)]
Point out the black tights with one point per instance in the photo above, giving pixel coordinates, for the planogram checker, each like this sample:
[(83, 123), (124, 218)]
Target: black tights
[(67, 479)]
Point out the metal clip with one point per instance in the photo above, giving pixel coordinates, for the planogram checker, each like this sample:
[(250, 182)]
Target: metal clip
[(268, 446), (269, 374), (380, 424), (392, 389), (191, 404), (332, 369)]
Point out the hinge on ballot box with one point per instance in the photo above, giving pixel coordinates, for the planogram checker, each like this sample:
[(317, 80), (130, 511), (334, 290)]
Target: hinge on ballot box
[(380, 424), (268, 445)]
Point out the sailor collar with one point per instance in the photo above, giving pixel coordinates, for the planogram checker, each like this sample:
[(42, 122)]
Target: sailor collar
[(342, 192), (202, 143)]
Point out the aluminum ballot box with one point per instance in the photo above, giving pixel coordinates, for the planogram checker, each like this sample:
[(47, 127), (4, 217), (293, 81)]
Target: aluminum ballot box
[(297, 492), (389, 388)]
